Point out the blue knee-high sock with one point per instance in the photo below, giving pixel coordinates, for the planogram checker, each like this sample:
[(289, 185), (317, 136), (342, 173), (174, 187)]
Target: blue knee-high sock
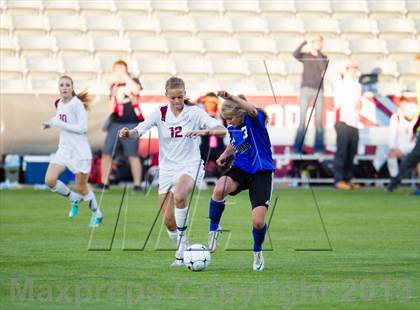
[(216, 209), (259, 235)]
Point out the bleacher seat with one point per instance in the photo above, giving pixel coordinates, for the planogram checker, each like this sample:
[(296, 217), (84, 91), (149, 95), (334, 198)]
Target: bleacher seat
[(44, 68), (350, 9), (249, 26), (67, 25), (213, 26), (12, 68), (396, 28), (169, 8), (49, 86), (243, 87), (62, 7), (193, 68), (285, 27), (278, 9), (205, 8), (356, 28), (237, 8), (74, 46), (221, 47), (413, 9), (9, 46), (328, 27), (96, 7), (148, 47), (409, 71), (140, 26), (280, 88), (185, 47), (37, 45), (31, 24), (230, 69), (363, 49), (81, 68), (286, 47), (133, 9), (312, 9), (6, 24), (156, 69), (103, 26), (258, 48), (336, 48), (403, 48), (196, 88), (17, 86), (177, 26), (387, 68), (258, 70), (387, 8), (23, 7), (117, 47)]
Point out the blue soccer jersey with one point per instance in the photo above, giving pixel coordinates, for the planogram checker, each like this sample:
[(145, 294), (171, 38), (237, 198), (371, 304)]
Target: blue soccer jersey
[(252, 144)]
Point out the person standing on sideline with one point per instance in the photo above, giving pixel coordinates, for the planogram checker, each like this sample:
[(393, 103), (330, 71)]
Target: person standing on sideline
[(314, 64), (401, 140), (125, 111), (73, 149), (252, 169), (180, 165), (347, 100)]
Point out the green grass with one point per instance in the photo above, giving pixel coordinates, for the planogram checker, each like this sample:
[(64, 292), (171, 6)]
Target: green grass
[(374, 263)]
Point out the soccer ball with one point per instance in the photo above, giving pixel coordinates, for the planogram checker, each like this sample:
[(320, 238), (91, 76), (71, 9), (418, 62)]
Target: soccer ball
[(197, 257)]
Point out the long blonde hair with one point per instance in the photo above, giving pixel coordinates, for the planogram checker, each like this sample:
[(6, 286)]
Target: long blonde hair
[(231, 108), (177, 83), (83, 95)]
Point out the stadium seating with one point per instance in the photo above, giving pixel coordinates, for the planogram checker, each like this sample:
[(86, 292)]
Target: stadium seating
[(350, 9), (188, 31), (67, 25), (61, 8)]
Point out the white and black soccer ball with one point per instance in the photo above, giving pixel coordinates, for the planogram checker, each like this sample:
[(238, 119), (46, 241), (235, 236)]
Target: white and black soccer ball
[(197, 257)]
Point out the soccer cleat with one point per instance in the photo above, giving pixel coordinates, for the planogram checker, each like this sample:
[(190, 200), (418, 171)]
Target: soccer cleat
[(178, 262), (96, 220), (74, 209), (258, 261), (179, 254), (213, 238)]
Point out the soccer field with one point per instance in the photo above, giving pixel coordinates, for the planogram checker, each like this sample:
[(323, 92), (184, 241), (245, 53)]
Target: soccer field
[(51, 262)]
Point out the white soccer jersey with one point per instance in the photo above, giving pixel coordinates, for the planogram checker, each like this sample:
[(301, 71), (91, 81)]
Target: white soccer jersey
[(175, 149), (401, 133), (72, 119)]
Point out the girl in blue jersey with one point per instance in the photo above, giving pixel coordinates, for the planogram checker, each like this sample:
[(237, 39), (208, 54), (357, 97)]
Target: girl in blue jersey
[(251, 169)]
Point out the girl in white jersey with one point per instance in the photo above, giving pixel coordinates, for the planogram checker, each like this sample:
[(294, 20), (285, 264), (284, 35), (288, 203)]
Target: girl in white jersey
[(180, 164), (73, 149)]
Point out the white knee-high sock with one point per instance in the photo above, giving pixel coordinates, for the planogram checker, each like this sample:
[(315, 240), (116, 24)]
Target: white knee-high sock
[(92, 204), (392, 164), (173, 235), (181, 221), (63, 190)]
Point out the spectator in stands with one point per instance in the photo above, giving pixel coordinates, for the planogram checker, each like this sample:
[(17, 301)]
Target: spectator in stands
[(401, 140), (347, 94), (314, 65), (125, 112)]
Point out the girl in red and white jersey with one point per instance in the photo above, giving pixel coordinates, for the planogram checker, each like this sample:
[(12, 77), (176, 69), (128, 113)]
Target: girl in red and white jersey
[(73, 149), (180, 164)]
